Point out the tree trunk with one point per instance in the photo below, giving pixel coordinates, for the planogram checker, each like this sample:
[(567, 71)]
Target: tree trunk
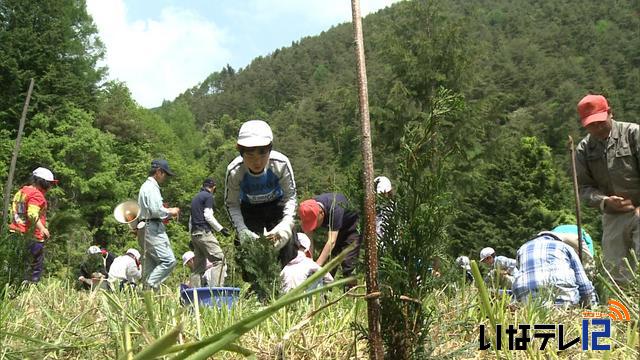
[(376, 351), (14, 158)]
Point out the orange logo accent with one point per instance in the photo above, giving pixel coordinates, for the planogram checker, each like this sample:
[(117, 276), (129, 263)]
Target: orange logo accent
[(617, 312)]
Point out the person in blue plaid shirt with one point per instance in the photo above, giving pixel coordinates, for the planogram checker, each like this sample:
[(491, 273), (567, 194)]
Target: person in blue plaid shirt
[(549, 267)]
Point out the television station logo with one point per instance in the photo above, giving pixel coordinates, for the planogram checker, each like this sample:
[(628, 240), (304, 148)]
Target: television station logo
[(595, 326)]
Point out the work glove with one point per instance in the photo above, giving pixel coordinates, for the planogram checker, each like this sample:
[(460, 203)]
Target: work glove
[(585, 301), (247, 235), (280, 234), (225, 232)]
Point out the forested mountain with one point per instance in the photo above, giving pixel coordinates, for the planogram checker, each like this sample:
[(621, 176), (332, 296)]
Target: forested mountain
[(519, 68)]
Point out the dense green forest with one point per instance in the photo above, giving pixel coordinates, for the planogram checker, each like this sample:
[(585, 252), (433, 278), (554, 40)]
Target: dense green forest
[(517, 69)]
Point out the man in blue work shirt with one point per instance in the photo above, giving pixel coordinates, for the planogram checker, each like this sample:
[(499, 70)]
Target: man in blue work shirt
[(158, 256)]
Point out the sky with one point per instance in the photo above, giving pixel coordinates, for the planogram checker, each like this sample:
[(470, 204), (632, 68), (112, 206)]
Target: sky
[(160, 48)]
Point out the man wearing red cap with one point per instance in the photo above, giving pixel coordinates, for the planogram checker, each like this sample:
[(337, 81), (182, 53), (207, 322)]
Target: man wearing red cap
[(332, 211), (608, 172)]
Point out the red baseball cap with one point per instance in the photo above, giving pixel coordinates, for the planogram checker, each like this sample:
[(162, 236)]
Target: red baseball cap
[(308, 212), (593, 108)]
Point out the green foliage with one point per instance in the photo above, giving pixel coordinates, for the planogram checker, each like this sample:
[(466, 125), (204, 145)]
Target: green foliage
[(120, 323), (520, 68), (54, 42), (13, 250), (182, 124), (119, 115), (512, 200), (415, 227), (259, 263)]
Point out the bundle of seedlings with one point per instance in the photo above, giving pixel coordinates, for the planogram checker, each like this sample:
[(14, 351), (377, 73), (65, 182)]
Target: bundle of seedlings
[(258, 260)]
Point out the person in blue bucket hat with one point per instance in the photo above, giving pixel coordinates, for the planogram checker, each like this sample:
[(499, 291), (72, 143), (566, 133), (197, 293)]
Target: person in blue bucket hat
[(573, 229), (568, 234)]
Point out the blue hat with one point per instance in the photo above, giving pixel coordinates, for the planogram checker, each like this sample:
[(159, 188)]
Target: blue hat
[(162, 164), (209, 182), (573, 229)]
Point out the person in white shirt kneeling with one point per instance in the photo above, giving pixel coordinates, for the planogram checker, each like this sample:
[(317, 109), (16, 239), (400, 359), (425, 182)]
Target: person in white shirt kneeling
[(125, 270), (301, 267)]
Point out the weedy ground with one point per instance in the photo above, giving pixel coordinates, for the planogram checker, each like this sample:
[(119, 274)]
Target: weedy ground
[(52, 320)]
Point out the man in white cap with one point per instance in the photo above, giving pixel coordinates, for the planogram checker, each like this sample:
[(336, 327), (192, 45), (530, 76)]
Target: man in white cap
[(260, 193), (125, 270), (608, 169), (159, 259), (503, 268), (301, 267), (29, 219)]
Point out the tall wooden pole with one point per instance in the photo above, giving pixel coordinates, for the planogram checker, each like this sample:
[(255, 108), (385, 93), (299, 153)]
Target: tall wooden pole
[(576, 194), (14, 158), (376, 351)]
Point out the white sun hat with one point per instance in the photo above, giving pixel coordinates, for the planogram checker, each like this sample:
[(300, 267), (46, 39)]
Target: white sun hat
[(486, 252), (463, 261), (92, 250), (187, 256), (383, 184), (254, 133), (135, 253), (304, 241), (45, 174)]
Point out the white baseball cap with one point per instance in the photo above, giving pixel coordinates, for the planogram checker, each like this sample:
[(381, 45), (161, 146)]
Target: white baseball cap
[(187, 256), (383, 184), (135, 253), (92, 250), (304, 241), (254, 133), (486, 252), (463, 261), (45, 174)]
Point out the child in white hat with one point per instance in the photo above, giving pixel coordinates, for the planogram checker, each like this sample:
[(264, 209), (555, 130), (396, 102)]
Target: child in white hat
[(301, 267)]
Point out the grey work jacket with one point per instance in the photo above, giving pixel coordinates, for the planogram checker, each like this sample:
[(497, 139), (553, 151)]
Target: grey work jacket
[(610, 167)]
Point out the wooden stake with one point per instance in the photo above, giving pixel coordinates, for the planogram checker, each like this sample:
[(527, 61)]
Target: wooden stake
[(376, 351), (14, 159)]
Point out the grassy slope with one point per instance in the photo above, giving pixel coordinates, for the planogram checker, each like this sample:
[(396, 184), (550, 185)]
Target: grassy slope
[(51, 320)]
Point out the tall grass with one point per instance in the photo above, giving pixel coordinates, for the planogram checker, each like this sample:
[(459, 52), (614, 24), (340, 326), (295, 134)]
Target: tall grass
[(51, 320)]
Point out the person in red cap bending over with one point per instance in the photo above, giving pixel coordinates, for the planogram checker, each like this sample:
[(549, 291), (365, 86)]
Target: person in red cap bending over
[(608, 170), (332, 211), (29, 218)]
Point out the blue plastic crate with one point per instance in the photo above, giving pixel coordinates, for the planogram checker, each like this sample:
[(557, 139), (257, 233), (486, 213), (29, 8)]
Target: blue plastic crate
[(214, 296)]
